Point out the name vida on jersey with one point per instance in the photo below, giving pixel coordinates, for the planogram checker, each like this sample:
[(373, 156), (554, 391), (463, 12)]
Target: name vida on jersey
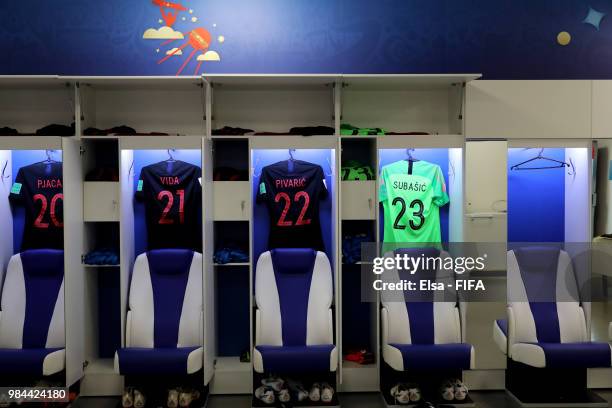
[(169, 181)]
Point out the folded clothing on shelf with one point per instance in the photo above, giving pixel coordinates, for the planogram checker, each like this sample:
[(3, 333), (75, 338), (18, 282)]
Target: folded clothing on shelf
[(346, 129), (103, 174), (312, 130), (102, 256), (360, 356), (406, 133), (231, 131), (230, 254), (230, 174), (119, 131), (298, 130), (7, 131), (56, 130), (353, 170), (351, 247), (91, 131)]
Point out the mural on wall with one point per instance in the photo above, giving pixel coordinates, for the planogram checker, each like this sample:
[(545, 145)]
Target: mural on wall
[(198, 39), (503, 39)]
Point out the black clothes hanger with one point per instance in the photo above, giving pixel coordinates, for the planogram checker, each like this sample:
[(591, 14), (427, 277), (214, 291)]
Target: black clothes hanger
[(409, 154), (291, 151), (556, 164)]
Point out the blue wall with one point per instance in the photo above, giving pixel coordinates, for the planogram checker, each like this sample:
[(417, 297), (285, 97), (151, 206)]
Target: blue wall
[(502, 39), (143, 158), (436, 156), (536, 199), (261, 220), (23, 158)]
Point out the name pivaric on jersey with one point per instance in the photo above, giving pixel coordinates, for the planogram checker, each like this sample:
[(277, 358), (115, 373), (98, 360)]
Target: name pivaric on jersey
[(292, 191), (412, 193), (172, 195), (38, 188)]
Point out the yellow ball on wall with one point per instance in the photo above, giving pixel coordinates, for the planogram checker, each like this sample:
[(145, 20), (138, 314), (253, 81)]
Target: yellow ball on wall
[(564, 38)]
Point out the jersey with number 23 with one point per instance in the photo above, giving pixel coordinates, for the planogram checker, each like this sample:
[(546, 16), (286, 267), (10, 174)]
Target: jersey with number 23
[(412, 193)]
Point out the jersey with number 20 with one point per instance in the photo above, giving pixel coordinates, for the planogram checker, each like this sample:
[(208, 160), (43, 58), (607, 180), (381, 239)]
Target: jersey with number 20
[(38, 187), (412, 193)]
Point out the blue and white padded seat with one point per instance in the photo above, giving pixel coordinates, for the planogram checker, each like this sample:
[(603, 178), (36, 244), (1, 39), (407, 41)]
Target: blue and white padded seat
[(294, 326), (423, 330), (32, 339), (547, 325), (500, 334), (163, 332)]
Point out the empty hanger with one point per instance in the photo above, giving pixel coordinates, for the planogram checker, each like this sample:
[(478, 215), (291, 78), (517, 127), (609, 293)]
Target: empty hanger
[(556, 164), (254, 169), (4, 172)]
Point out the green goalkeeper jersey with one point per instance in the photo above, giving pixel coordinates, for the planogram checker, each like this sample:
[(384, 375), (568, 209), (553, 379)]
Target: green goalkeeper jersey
[(412, 193)]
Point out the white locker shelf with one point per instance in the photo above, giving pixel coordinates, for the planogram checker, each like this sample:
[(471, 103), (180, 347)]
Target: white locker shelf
[(101, 201), (101, 366), (231, 376), (30, 143), (100, 379), (396, 82), (359, 378), (359, 200)]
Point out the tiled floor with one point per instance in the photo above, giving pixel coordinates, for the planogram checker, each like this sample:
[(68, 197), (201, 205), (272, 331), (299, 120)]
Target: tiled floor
[(492, 399)]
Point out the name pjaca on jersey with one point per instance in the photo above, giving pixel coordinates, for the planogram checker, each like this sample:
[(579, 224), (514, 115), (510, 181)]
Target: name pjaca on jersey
[(409, 186), (48, 183)]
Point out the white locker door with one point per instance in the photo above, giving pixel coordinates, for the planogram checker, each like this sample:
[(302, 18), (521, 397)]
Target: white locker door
[(127, 257), (74, 282), (6, 217), (335, 164), (559, 109), (209, 272)]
